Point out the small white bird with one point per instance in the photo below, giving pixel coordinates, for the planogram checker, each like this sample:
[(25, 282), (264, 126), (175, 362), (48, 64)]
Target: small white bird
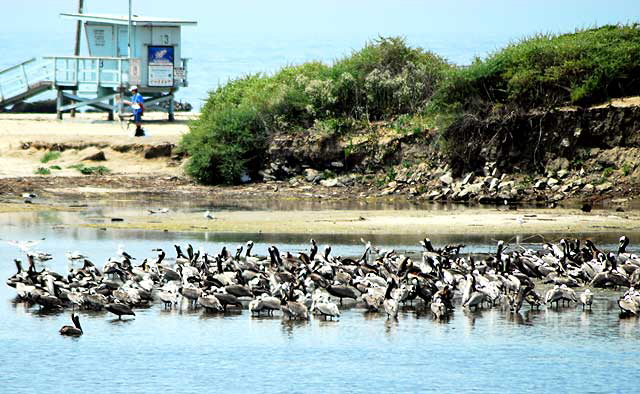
[(209, 215), (28, 197), (25, 246), (159, 210)]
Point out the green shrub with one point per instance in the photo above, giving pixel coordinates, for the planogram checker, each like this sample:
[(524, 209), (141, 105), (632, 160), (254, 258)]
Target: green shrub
[(55, 167), (384, 79), (42, 171), (49, 156), (546, 71)]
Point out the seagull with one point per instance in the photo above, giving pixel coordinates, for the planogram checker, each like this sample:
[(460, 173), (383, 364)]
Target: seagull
[(208, 215), (72, 256), (25, 246), (28, 197)]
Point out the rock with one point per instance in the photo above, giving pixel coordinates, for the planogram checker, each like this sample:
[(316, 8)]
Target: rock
[(562, 174), (604, 187), (468, 178), (446, 179), (540, 185), (97, 156), (493, 185), (333, 182), (588, 188), (464, 195), (337, 164), (558, 164), (160, 150), (434, 195), (552, 181), (266, 175), (506, 185), (474, 188), (311, 175)]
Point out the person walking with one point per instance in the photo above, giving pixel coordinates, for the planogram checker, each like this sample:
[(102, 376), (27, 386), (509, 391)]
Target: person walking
[(137, 107)]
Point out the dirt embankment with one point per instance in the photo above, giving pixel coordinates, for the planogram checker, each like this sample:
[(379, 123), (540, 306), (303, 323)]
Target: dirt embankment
[(588, 155)]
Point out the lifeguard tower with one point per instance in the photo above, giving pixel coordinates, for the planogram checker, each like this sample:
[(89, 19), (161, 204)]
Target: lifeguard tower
[(153, 62)]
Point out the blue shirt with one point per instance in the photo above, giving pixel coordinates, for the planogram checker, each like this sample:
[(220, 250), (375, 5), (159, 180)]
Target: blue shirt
[(137, 99)]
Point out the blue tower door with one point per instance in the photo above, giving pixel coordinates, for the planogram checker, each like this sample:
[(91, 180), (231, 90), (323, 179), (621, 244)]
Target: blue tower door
[(123, 41)]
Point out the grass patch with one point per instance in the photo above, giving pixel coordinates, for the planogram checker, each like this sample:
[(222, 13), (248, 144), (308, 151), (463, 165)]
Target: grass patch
[(55, 167), (86, 170), (42, 171), (50, 156)]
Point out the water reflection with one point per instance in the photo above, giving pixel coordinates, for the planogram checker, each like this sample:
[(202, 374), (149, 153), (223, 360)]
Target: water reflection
[(288, 326)]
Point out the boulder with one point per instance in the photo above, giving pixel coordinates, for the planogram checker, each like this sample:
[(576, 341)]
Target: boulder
[(468, 178), (96, 156), (160, 150), (311, 175), (446, 179), (540, 185), (333, 182), (604, 187)]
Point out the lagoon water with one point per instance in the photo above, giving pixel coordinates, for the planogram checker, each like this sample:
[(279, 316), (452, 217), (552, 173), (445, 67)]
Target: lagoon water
[(565, 350)]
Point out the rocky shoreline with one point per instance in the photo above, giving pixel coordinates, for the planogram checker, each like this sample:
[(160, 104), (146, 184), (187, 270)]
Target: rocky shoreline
[(587, 157)]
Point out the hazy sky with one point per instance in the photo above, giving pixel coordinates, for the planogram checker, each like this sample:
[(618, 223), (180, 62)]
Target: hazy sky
[(504, 18)]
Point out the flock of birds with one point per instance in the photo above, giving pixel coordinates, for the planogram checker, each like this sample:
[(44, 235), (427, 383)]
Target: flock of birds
[(317, 283)]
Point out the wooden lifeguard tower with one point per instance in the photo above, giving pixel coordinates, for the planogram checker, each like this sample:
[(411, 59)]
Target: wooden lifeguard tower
[(123, 51)]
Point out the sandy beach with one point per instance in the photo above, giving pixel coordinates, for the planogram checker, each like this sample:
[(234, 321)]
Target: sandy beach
[(89, 132)]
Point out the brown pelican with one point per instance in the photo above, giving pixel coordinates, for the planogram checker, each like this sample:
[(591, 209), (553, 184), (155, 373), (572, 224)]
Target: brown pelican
[(119, 309), (325, 308), (629, 305), (255, 306), (294, 310), (586, 299), (228, 299), (390, 304), (72, 331), (210, 303), (438, 308), (553, 295), (341, 292)]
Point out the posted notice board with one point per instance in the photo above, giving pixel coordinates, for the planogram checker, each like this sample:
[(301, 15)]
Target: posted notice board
[(161, 66)]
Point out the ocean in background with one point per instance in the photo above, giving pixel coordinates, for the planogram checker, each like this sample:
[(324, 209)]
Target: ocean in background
[(215, 59)]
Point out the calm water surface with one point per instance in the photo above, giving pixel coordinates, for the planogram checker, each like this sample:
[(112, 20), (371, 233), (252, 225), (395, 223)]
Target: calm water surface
[(486, 351)]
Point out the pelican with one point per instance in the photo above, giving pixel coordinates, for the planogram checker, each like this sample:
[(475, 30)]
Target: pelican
[(325, 308), (438, 308), (119, 309), (390, 304), (586, 299), (210, 303), (72, 331)]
